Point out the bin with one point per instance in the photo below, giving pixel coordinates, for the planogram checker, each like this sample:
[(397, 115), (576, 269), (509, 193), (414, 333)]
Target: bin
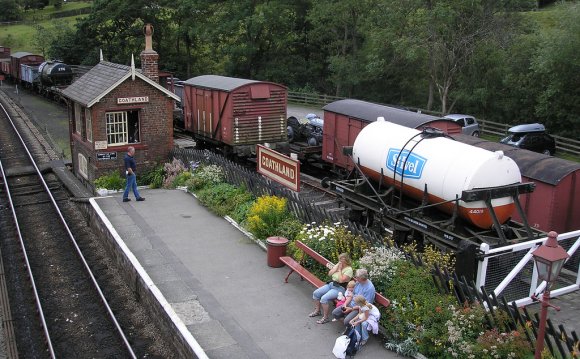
[(276, 248)]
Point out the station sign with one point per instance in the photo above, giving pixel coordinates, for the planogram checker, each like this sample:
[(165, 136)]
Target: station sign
[(103, 156), (100, 145), (136, 99), (279, 167)]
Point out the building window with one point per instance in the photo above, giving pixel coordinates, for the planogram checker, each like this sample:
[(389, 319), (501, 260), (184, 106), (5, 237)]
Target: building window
[(83, 166), (78, 119), (89, 124), (122, 127)]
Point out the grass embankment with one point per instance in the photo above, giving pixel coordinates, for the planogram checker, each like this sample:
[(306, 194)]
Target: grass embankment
[(20, 36)]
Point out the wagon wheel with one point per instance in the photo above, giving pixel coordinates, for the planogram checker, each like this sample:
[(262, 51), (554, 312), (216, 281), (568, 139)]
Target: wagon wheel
[(290, 134), (361, 216)]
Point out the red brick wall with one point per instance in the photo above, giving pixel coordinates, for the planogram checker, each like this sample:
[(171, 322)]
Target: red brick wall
[(149, 64), (156, 130)]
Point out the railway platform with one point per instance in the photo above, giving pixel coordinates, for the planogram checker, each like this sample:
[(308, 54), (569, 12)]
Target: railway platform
[(217, 282)]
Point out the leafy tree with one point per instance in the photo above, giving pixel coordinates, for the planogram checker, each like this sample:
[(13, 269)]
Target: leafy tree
[(338, 30), (255, 39), (10, 10), (57, 4), (557, 69), (497, 84)]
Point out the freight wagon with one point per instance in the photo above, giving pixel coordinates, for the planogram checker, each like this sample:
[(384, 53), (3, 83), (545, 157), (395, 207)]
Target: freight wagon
[(555, 203), (235, 114), (22, 58)]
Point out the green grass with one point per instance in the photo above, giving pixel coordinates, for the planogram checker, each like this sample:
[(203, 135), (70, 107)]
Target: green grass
[(49, 10), (20, 37), (549, 16)]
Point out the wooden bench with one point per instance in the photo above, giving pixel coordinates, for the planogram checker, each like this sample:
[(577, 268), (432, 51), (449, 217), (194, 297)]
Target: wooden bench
[(311, 278)]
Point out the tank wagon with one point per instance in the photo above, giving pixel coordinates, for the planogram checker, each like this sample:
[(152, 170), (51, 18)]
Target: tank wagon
[(55, 73), (345, 119), (435, 189), (235, 114)]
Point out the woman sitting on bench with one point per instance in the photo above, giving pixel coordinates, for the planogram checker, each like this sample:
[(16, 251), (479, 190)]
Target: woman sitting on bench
[(340, 274)]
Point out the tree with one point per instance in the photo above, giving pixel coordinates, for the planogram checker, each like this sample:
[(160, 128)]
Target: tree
[(557, 73), (10, 10), (337, 29), (439, 36)]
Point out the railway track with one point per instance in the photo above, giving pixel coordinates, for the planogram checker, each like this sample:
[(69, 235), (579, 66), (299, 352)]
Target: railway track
[(53, 267)]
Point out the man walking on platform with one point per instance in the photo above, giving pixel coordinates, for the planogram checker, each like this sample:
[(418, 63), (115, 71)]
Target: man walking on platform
[(130, 168)]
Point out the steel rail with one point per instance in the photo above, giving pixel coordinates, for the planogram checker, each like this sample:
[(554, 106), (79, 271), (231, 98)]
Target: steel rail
[(71, 237), (30, 275)]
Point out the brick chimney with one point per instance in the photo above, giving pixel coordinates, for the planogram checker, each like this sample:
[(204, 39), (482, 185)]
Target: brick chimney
[(149, 58)]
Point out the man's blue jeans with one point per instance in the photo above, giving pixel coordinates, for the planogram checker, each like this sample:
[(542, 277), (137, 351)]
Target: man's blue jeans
[(131, 184), (362, 329)]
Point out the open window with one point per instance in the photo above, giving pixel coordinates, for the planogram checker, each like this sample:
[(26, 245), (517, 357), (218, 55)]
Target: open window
[(123, 127)]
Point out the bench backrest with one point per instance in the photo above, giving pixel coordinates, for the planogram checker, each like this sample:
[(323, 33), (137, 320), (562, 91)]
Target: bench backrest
[(379, 299), (317, 257)]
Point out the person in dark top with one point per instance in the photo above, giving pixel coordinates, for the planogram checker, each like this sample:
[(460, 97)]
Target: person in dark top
[(130, 169)]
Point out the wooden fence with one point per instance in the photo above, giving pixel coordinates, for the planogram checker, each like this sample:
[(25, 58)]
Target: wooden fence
[(490, 128)]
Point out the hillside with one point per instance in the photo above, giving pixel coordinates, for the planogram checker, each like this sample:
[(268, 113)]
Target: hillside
[(21, 36)]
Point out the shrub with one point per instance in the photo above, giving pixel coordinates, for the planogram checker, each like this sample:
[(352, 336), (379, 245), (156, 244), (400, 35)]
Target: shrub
[(417, 310), (204, 176), (112, 181), (431, 256), (266, 215), (240, 213), (495, 344), (181, 179), (329, 240), (223, 198), (381, 263), (290, 227), (153, 178), (171, 171)]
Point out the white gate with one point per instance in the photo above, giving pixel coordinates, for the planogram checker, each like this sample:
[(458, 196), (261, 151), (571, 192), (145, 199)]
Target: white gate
[(510, 270)]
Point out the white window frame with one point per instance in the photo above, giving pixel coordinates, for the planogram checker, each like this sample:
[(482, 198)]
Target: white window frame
[(78, 118), (89, 124), (117, 128), (83, 166)]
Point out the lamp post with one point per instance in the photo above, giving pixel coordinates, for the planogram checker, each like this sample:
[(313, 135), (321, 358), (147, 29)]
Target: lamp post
[(550, 258)]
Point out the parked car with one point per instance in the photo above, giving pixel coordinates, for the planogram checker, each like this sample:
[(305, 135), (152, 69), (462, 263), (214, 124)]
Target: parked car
[(468, 123), (531, 137), (307, 129)]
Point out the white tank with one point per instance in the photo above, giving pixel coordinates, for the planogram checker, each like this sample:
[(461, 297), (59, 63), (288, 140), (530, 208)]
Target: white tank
[(446, 166)]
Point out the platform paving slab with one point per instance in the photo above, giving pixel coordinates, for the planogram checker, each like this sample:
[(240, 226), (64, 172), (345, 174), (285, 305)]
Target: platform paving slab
[(218, 282)]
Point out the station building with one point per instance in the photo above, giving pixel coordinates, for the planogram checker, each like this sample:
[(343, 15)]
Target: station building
[(113, 107)]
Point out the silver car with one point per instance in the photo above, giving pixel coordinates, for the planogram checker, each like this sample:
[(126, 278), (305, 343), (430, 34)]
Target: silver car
[(468, 123)]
